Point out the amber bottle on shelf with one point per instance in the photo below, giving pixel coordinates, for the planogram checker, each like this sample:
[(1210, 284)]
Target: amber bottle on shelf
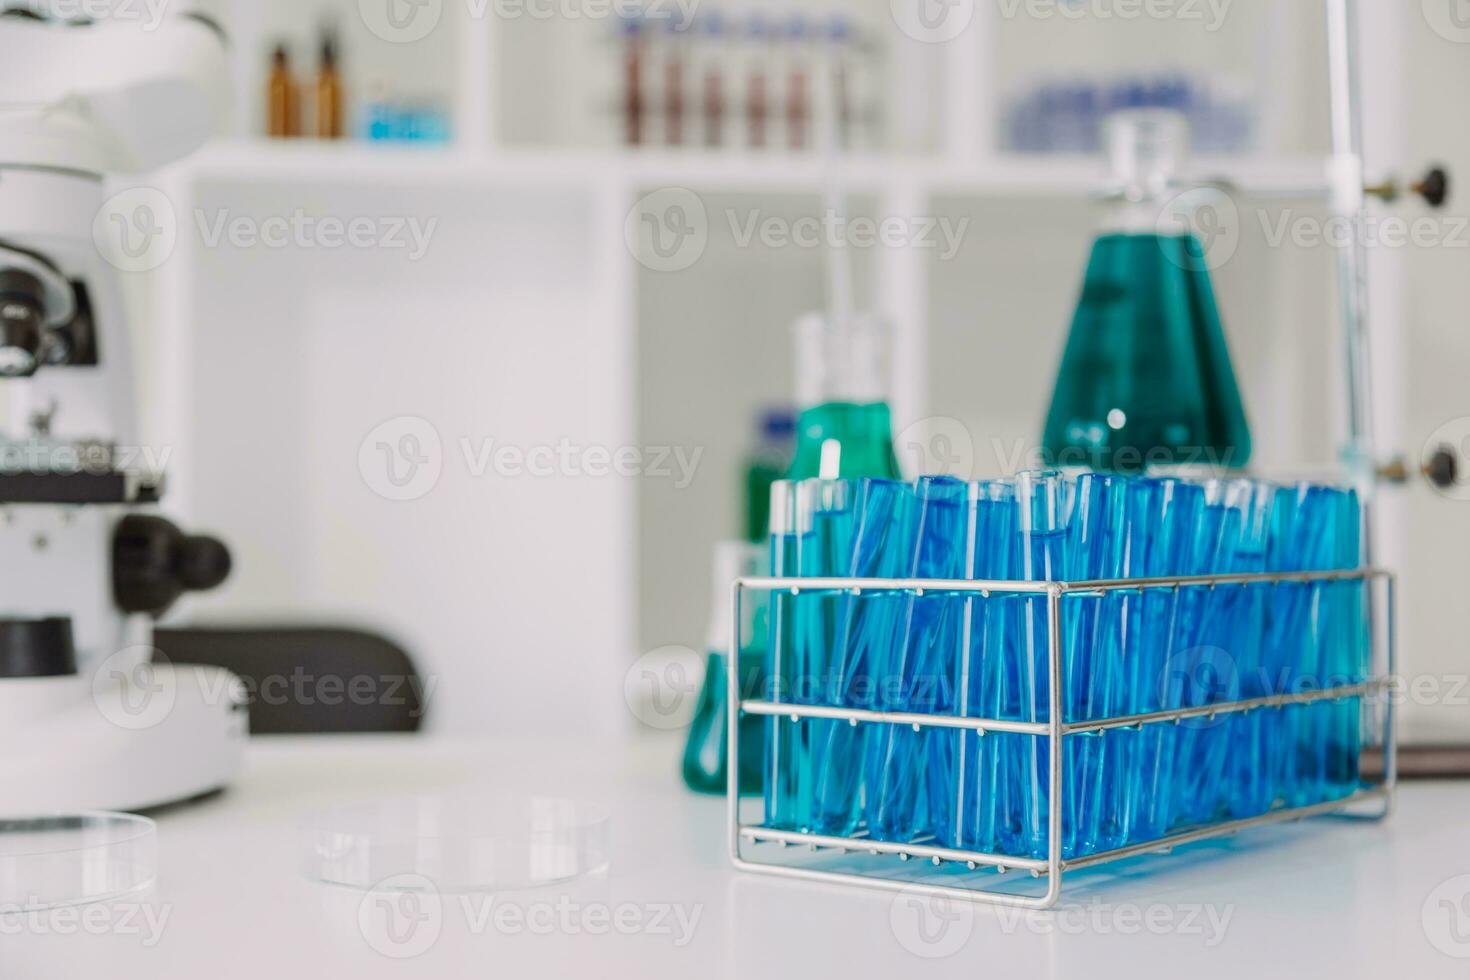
[(633, 100), (283, 111), (329, 124)]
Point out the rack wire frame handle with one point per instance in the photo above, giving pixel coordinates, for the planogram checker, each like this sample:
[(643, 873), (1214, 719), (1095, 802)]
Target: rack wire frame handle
[(1055, 730)]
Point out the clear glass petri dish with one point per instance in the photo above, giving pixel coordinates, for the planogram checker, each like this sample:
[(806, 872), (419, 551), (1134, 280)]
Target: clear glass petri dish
[(54, 861), (457, 844)]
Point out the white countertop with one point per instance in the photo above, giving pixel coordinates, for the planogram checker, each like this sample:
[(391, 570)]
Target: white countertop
[(1325, 898)]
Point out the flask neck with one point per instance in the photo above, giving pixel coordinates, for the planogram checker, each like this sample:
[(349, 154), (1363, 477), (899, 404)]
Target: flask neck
[(840, 361), (1146, 149)]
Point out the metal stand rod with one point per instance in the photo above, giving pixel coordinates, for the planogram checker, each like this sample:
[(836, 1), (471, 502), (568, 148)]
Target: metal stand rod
[(1348, 200), (983, 726)]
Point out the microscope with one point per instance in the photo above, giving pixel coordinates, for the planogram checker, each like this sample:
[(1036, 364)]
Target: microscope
[(90, 717)]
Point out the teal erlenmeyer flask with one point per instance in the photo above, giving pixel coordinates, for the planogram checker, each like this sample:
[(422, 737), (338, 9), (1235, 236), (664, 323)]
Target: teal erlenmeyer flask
[(845, 430), (705, 765), (1146, 377)]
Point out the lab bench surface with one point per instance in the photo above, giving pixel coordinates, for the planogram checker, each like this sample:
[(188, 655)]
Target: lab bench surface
[(1324, 898)]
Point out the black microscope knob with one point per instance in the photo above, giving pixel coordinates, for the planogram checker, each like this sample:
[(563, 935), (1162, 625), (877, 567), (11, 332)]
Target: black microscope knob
[(1443, 467), (36, 648), (1434, 187), (203, 563), (154, 563)]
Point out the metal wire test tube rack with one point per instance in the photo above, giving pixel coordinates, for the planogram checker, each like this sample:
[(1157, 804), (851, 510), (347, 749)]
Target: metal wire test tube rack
[(1057, 730)]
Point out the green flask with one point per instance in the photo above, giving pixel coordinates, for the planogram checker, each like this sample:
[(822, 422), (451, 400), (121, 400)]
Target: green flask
[(1146, 377)]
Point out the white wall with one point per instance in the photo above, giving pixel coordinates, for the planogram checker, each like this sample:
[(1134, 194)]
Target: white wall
[(510, 589)]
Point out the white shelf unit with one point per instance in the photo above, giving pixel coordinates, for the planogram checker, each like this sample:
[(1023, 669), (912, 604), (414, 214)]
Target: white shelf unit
[(259, 161), (655, 566)]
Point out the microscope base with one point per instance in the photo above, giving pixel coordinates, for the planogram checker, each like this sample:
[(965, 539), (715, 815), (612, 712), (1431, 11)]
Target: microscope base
[(127, 741)]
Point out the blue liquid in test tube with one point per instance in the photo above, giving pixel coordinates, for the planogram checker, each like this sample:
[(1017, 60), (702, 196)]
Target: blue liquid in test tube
[(863, 629), (975, 798), (1095, 548), (1349, 644), (1163, 513), (1205, 667), (1303, 779), (915, 664), (1040, 496), (1233, 753), (810, 529)]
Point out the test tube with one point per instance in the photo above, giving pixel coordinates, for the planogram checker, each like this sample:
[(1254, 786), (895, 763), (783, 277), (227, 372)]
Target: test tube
[(1092, 625), (975, 800), (1164, 513), (863, 629), (1348, 649), (915, 665), (1210, 651), (1040, 498), (1312, 549), (1332, 650), (1239, 757), (783, 760), (825, 513), (810, 526)]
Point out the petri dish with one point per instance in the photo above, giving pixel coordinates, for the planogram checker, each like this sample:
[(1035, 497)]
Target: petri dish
[(54, 861), (457, 844)]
